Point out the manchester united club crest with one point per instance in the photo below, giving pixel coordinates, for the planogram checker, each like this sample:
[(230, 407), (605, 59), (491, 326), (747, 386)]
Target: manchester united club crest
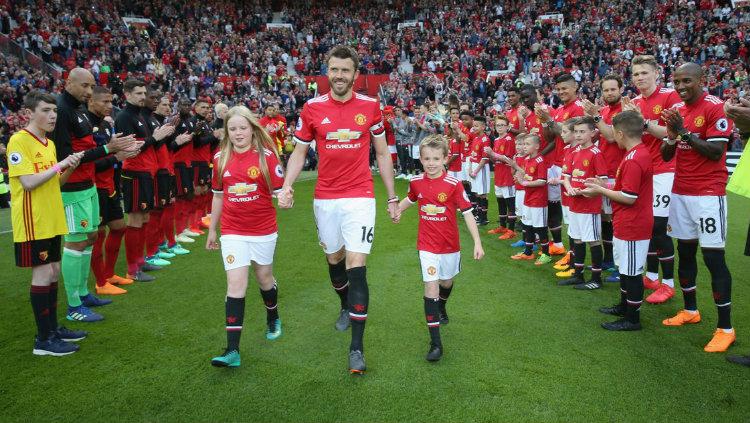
[(253, 172), (585, 163), (699, 121), (230, 259), (43, 255), (565, 116), (431, 270), (532, 169), (442, 197), (360, 119), (657, 109)]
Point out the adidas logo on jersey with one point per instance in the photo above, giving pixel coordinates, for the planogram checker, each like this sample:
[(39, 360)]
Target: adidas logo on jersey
[(325, 120), (139, 123), (80, 120), (226, 174), (38, 155)]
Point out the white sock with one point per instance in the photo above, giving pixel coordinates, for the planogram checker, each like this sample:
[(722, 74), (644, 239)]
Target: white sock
[(653, 276), (730, 330), (692, 311), (668, 282), (558, 244)]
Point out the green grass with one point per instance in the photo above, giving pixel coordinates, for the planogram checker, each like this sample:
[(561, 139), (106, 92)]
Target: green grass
[(518, 347)]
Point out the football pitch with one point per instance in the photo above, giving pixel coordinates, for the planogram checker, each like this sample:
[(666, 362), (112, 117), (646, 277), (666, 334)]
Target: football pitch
[(518, 347)]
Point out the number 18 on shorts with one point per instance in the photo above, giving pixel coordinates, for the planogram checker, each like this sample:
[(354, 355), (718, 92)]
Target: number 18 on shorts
[(699, 217)]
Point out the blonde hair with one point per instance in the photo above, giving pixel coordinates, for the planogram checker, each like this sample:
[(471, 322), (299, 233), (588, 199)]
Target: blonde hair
[(438, 142), (260, 141)]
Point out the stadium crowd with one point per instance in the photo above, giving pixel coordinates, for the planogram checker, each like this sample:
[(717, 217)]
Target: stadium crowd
[(479, 68)]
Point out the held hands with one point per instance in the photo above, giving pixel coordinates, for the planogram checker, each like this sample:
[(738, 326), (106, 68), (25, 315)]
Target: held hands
[(286, 197), (394, 211), (211, 243)]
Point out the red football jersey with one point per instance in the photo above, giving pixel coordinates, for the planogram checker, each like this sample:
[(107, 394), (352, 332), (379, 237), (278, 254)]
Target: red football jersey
[(276, 128), (696, 174), (455, 146), (247, 208), (505, 146), (521, 162), (651, 108), (477, 147), (342, 133), (568, 152), (512, 116), (611, 151), (634, 178), (466, 147), (438, 200), (563, 113), (535, 169), (586, 163)]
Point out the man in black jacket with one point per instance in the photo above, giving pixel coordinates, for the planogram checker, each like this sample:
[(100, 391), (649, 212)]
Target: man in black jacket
[(138, 176), (107, 245), (74, 133)]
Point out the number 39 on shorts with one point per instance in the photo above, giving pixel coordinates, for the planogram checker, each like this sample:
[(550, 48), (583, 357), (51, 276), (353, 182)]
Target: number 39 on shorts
[(367, 234), (661, 201)]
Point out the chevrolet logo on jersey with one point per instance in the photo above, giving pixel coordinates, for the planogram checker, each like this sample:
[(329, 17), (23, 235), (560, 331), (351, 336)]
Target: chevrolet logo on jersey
[(432, 210), (242, 188), (343, 135), (577, 173)]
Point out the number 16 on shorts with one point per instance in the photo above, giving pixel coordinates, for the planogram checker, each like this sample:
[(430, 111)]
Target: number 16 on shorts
[(345, 222)]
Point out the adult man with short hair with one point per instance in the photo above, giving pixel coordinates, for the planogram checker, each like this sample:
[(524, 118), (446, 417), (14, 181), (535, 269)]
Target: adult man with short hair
[(343, 125)]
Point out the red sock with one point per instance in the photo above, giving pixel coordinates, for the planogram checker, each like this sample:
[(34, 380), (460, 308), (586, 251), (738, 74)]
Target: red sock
[(133, 248), (153, 233), (112, 251), (167, 224), (197, 213), (207, 204), (97, 257)]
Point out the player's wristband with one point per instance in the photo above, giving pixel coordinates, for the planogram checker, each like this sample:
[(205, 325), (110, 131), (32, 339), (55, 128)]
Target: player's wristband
[(106, 149), (57, 168), (670, 141), (393, 200), (610, 185)]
